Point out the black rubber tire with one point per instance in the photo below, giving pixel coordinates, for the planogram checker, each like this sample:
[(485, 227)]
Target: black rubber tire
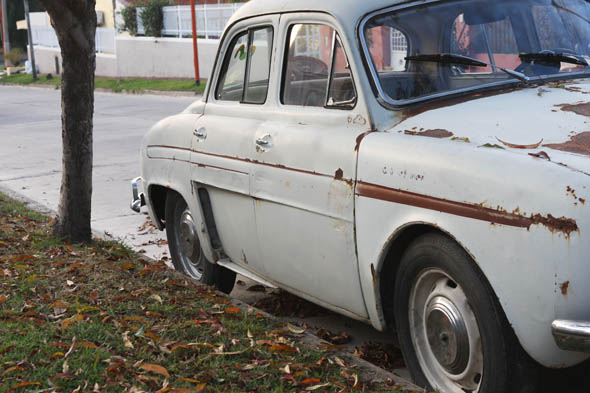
[(508, 369), (223, 279)]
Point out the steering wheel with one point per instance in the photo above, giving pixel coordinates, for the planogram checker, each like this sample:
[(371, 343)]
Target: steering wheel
[(302, 65)]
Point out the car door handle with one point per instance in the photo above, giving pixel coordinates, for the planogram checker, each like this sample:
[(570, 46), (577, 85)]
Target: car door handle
[(262, 142), (200, 133)]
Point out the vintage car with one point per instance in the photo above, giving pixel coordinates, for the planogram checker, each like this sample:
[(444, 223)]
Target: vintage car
[(419, 165)]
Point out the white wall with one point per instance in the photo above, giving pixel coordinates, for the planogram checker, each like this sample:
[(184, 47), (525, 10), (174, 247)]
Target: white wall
[(144, 57)]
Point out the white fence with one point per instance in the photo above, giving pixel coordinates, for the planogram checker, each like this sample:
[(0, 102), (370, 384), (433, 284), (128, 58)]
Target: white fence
[(211, 19), (45, 36)]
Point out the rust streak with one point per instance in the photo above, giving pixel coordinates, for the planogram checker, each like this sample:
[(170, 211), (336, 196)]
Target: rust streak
[(577, 144), (436, 133), (339, 174), (374, 275), (476, 212), (541, 154), (564, 287), (512, 145)]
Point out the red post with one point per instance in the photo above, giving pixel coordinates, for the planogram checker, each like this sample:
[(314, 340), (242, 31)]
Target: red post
[(195, 48)]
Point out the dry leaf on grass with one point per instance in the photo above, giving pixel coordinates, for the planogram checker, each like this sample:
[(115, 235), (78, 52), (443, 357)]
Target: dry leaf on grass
[(154, 368)]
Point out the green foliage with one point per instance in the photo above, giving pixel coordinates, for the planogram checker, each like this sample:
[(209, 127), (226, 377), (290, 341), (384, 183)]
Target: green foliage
[(152, 17), (14, 56), (129, 15)]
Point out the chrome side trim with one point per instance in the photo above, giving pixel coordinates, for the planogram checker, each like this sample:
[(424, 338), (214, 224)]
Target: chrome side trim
[(572, 335), (138, 199)]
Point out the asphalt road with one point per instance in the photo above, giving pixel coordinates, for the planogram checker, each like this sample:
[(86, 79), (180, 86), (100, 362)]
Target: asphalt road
[(30, 166)]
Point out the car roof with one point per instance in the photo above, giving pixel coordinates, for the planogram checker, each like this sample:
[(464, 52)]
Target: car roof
[(347, 12)]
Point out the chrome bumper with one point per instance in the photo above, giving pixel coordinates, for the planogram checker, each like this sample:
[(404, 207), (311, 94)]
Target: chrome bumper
[(572, 335), (138, 199)]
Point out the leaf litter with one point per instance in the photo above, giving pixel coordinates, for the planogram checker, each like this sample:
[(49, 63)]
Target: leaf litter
[(101, 318)]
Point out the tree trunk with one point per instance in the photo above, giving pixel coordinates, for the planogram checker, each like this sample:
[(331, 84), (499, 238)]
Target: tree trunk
[(74, 22)]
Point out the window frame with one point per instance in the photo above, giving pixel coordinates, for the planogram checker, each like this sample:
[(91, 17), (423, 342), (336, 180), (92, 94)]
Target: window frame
[(335, 38), (249, 32)]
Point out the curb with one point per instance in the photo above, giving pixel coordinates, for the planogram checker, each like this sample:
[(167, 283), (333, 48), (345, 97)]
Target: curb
[(167, 93)]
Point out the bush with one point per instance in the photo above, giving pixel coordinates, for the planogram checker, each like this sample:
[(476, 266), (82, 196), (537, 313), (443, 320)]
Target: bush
[(14, 56), (129, 15), (153, 17)]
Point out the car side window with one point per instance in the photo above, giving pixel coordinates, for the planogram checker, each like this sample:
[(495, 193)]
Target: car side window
[(246, 67), (316, 69)]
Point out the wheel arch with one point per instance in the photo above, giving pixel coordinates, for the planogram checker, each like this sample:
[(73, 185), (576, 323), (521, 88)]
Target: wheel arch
[(389, 260)]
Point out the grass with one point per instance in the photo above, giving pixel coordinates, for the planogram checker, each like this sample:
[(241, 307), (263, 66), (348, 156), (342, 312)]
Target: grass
[(133, 85), (101, 318)]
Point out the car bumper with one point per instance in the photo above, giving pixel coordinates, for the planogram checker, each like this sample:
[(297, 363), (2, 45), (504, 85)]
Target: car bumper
[(572, 335), (138, 199)]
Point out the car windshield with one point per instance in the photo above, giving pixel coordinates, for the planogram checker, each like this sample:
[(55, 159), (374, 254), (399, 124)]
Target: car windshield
[(424, 51)]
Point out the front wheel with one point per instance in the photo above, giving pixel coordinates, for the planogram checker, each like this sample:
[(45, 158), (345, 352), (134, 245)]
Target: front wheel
[(452, 330), (185, 248)]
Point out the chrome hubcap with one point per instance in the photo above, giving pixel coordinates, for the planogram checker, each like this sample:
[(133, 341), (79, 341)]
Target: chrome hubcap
[(190, 246), (445, 333)]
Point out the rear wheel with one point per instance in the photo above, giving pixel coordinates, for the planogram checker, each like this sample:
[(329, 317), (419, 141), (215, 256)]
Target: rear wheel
[(185, 248), (452, 330)]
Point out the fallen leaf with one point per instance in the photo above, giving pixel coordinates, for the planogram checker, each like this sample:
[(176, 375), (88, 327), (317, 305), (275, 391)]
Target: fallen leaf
[(281, 348), (155, 369), (73, 319), (310, 381), (232, 310), (3, 299), (316, 387), (156, 298), (294, 329), (200, 387), (126, 340), (23, 384)]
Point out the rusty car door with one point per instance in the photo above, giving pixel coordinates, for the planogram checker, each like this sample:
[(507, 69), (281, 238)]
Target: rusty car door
[(223, 136), (305, 166)]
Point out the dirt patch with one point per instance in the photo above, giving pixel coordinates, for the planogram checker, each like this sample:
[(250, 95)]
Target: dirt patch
[(386, 356), (577, 144), (284, 304)]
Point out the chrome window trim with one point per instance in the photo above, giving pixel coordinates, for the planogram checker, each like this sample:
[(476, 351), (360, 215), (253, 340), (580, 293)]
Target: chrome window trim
[(390, 103)]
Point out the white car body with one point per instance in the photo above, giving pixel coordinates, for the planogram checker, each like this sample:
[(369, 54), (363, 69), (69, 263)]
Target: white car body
[(317, 206)]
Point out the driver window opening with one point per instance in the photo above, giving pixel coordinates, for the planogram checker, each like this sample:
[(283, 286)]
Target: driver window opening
[(316, 70)]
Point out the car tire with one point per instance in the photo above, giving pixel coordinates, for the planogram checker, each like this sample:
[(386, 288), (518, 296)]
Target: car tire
[(185, 248), (451, 326)]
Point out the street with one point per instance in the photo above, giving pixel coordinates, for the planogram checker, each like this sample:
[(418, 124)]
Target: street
[(30, 165)]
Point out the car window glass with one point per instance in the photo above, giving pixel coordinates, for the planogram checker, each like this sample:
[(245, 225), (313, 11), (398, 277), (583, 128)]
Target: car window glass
[(388, 47), (493, 43), (316, 62), (259, 66), (308, 65), (231, 82), (342, 91)]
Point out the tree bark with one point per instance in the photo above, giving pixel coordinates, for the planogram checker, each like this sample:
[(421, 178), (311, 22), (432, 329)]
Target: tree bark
[(74, 22)]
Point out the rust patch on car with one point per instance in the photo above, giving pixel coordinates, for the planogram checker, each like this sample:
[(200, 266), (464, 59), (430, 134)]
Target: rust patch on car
[(582, 109), (541, 154), (360, 138), (579, 144), (436, 133), (561, 225), (374, 275), (514, 146), (564, 287), (467, 210), (339, 174)]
